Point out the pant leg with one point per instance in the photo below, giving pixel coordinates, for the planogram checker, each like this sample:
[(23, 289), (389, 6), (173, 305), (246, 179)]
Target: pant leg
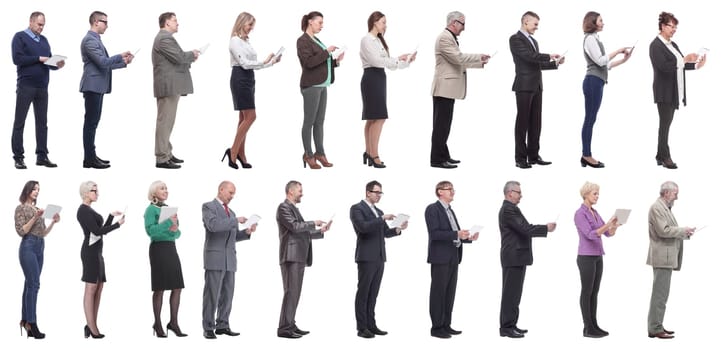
[(534, 125), (311, 102), (596, 288), (523, 116), (450, 294), (292, 274), (513, 277), (31, 260), (93, 110), (659, 297), (40, 109), (23, 98), (167, 109), (665, 117), (225, 302), (593, 94), (365, 275), (587, 270), (440, 277), (375, 287), (319, 121), (211, 294), (442, 120)]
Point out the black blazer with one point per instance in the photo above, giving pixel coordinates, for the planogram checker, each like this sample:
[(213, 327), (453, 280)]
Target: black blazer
[(295, 235), (529, 63), (371, 232), (665, 75), (441, 249), (516, 234), (313, 62)]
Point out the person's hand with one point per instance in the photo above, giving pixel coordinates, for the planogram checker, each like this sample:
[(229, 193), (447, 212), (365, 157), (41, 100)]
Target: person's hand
[(117, 213), (690, 231), (404, 57), (252, 228), (413, 57), (332, 48), (56, 217), (174, 219), (39, 213), (692, 57), (562, 60), (268, 59), (173, 228), (340, 57), (127, 57), (551, 226), (701, 61), (485, 58), (242, 219), (196, 54), (463, 234), (326, 227), (387, 217), (404, 225), (319, 222), (61, 64), (277, 58), (122, 220), (474, 237)]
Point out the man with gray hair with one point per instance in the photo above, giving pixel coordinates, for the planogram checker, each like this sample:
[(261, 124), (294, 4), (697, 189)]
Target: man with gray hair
[(665, 252), (449, 84)]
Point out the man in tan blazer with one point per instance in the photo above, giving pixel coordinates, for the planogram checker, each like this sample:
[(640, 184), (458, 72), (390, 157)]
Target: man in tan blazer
[(449, 84), (171, 79), (665, 252)]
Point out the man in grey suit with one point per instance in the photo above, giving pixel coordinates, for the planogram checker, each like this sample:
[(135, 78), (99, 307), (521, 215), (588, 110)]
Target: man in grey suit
[(96, 82), (171, 79), (665, 252), (296, 252), (219, 261)]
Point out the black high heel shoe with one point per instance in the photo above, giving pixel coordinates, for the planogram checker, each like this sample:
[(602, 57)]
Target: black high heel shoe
[(31, 329), (244, 164), (366, 158), (158, 331), (230, 160), (88, 334), (22, 326), (372, 162), (584, 162), (176, 330)]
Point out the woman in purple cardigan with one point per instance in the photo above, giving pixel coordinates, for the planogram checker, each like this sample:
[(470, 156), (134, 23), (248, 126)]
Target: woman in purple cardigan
[(591, 228)]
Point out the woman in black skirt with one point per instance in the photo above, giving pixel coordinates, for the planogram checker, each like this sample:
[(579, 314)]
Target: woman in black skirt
[(91, 254), (165, 270), (244, 60), (375, 58)]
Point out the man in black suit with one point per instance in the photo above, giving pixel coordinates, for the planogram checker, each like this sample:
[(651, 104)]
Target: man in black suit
[(445, 250), (516, 254), (296, 252), (528, 86), (371, 229)]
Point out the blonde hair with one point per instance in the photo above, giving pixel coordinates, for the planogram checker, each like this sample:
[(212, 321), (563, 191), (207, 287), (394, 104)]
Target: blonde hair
[(240, 22), (85, 188), (587, 188), (153, 189)]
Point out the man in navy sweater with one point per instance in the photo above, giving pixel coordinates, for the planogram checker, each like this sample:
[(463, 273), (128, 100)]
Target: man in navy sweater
[(30, 51)]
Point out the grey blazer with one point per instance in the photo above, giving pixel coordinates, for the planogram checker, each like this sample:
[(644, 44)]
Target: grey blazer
[(171, 67), (295, 235), (665, 247), (97, 65), (221, 233)]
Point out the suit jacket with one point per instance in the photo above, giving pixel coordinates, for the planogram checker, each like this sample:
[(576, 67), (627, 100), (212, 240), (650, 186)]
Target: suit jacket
[(97, 65), (221, 233), (665, 73), (665, 247), (441, 237), (516, 236), (313, 61), (371, 232), (449, 79), (295, 235), (171, 66), (529, 62)]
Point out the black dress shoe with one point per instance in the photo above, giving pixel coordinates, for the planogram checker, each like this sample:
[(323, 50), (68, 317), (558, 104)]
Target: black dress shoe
[(667, 331), (300, 331), (377, 331), (444, 165), (209, 334), (453, 161), (669, 164), (289, 335), (176, 160), (46, 163), (440, 333), (520, 330), (593, 333), (539, 161), (523, 164), (20, 164), (167, 165), (364, 333), (95, 164), (510, 333), (102, 160), (226, 331), (598, 163), (452, 331)]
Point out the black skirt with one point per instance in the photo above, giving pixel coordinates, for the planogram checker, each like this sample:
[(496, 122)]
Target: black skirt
[(373, 92), (242, 86), (165, 270)]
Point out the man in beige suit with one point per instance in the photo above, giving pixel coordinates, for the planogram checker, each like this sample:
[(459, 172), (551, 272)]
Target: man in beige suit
[(665, 252), (171, 79), (449, 84)]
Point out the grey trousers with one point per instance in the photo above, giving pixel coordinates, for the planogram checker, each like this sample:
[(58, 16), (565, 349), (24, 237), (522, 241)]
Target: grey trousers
[(659, 296), (292, 274), (167, 108), (217, 296), (314, 103)]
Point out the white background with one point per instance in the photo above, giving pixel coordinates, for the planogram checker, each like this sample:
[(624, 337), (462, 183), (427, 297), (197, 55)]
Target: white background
[(482, 137)]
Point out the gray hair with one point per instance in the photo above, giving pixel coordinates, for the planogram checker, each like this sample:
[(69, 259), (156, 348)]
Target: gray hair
[(290, 185), (588, 187), (510, 185), (154, 187), (454, 16), (668, 186), (85, 188)]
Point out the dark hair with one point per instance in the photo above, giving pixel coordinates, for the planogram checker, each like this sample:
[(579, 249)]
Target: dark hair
[(308, 17), (589, 22), (665, 18), (95, 16), (442, 185), (164, 17), (370, 185), (27, 189), (36, 14), (372, 19), (291, 184), (529, 14)]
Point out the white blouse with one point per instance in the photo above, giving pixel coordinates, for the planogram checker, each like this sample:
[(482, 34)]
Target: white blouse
[(243, 55), (373, 54)]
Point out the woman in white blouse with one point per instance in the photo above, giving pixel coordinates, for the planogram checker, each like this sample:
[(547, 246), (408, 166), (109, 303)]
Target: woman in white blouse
[(598, 63), (375, 58), (244, 60)]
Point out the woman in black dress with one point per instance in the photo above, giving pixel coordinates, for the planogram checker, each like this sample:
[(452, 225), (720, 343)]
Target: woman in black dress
[(91, 254)]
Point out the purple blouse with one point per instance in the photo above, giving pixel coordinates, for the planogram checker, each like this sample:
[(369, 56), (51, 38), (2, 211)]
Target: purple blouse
[(587, 222)]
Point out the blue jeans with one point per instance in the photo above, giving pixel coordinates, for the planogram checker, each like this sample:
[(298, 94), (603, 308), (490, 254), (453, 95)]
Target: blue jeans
[(93, 109), (31, 261), (593, 93)]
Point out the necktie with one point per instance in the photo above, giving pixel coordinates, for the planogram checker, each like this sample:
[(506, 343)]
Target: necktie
[(227, 211), (533, 43), (454, 225)]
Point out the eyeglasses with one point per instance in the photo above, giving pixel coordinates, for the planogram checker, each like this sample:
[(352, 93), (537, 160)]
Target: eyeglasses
[(377, 192), (672, 26), (96, 191), (447, 189), (104, 21), (461, 23), (519, 192)]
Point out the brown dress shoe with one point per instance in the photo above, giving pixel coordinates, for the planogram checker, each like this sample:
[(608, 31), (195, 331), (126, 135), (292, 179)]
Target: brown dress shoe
[(661, 335)]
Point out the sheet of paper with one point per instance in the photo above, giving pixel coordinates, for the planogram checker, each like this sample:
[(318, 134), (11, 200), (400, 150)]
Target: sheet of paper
[(399, 220), (280, 51), (338, 51), (700, 228), (53, 61), (622, 215), (166, 213), (118, 217), (494, 54), (252, 220), (51, 210), (475, 229), (94, 239), (203, 48), (136, 52), (702, 51)]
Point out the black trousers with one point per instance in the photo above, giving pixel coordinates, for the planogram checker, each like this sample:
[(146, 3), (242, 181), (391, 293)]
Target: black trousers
[(38, 97), (665, 117), (442, 119), (93, 110), (513, 277), (528, 124), (370, 274), (444, 278), (591, 269)]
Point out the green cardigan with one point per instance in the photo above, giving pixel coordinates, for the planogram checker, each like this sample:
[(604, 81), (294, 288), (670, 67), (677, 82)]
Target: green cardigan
[(158, 231)]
